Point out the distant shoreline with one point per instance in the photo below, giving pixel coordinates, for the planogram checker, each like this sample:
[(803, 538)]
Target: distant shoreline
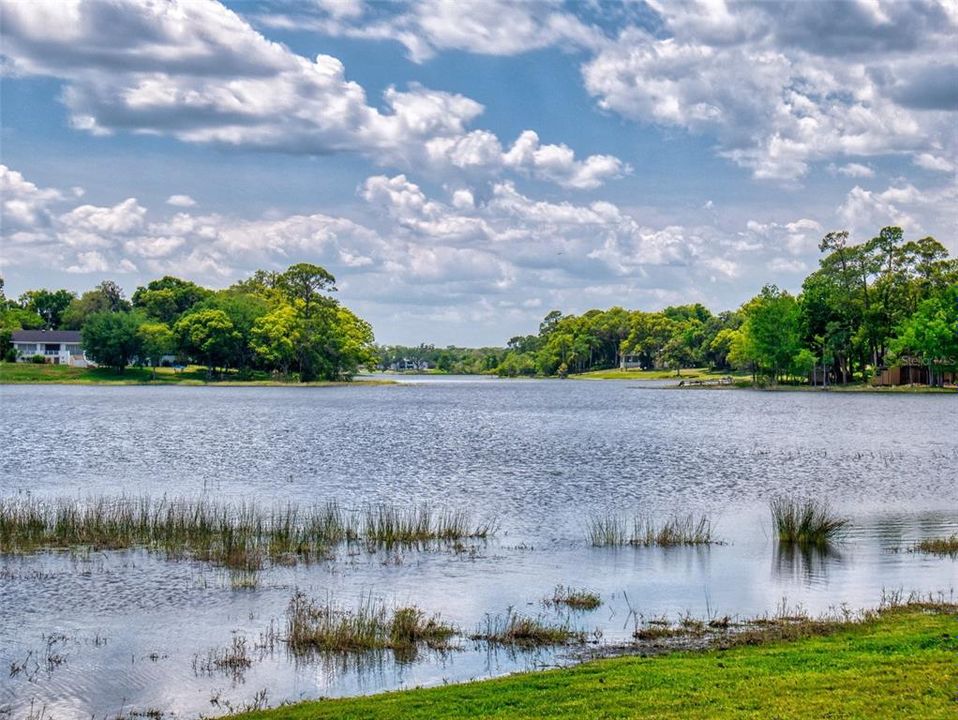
[(29, 374)]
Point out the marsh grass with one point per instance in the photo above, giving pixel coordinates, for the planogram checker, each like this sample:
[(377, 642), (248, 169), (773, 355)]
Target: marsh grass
[(387, 525), (938, 546), (576, 599), (806, 522), (314, 626), (241, 537), (233, 660), (613, 530), (518, 630), (677, 530), (607, 531)]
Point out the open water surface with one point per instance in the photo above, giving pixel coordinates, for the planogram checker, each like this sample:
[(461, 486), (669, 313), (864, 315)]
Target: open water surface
[(102, 634)]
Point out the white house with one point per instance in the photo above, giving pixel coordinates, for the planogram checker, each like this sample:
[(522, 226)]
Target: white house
[(59, 347)]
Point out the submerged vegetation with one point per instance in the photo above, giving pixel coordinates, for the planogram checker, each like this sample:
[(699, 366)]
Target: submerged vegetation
[(519, 630), (241, 537), (612, 530), (806, 522), (233, 660), (388, 525), (577, 599), (938, 546), (314, 626)]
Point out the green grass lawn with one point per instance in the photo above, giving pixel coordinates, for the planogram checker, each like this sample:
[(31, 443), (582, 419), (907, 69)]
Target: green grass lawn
[(28, 373), (904, 664), (687, 374)]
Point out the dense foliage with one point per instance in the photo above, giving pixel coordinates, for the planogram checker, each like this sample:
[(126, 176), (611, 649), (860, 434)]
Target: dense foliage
[(451, 359), (284, 323), (867, 306)]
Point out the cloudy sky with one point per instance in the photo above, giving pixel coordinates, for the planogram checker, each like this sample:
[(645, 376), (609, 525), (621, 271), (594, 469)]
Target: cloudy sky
[(463, 167)]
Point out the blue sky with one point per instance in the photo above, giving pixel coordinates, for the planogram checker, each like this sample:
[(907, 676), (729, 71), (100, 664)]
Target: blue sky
[(465, 167)]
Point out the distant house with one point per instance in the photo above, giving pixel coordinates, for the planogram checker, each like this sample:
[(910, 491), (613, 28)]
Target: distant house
[(406, 365), (631, 362), (58, 347)]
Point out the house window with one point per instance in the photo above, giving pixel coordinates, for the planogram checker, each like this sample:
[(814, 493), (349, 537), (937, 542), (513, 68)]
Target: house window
[(51, 349)]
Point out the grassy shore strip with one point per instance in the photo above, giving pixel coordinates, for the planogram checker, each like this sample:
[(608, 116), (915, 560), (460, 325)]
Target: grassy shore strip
[(899, 663), (744, 380), (741, 383), (686, 374), (30, 374)]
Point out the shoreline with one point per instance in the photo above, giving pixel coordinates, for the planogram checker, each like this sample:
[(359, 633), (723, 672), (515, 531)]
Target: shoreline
[(27, 374), (866, 662)]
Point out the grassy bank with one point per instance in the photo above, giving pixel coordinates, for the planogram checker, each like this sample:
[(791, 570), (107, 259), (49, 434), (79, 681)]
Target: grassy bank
[(686, 374), (28, 373), (744, 380), (900, 663)]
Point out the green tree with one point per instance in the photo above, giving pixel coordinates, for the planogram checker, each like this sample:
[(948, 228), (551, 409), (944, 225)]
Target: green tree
[(932, 334), (243, 310), (111, 338), (207, 336), (48, 304), (106, 297), (771, 332), (168, 298), (276, 338), (305, 282), (156, 340)]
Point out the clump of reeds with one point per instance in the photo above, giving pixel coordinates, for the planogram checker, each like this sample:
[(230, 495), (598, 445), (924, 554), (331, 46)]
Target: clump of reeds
[(524, 631), (614, 530), (806, 522), (607, 531), (577, 599), (389, 525), (233, 659), (938, 546), (312, 626), (677, 530)]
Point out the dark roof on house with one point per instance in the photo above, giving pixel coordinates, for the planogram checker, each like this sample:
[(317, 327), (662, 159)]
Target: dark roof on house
[(46, 336)]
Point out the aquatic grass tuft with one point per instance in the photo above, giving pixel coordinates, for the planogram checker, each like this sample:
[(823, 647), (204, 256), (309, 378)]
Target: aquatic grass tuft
[(523, 631), (233, 659), (612, 530), (677, 530), (312, 626), (389, 525), (577, 599), (607, 531), (806, 522)]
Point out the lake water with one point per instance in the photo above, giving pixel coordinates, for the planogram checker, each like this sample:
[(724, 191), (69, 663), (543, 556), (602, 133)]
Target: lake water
[(537, 457)]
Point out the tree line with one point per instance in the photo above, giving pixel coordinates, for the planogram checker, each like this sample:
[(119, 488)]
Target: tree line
[(285, 323), (867, 306)]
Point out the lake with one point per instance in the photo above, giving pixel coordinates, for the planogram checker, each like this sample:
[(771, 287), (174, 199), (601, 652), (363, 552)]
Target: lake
[(109, 633)]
